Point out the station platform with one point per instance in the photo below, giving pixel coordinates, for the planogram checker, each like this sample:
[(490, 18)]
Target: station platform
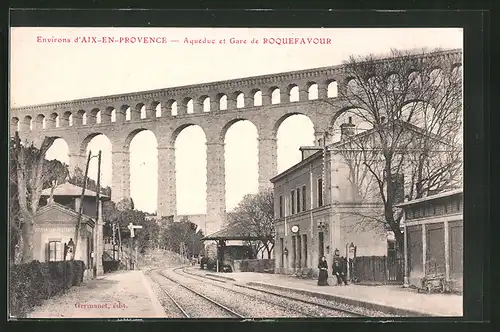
[(121, 294), (393, 299)]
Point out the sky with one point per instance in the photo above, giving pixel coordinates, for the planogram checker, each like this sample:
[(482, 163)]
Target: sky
[(42, 71)]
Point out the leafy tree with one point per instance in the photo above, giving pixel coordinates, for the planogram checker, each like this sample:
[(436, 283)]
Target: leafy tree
[(30, 173), (182, 237), (145, 237), (255, 215)]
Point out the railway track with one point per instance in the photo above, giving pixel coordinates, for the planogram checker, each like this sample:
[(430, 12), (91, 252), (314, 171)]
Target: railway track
[(182, 308), (333, 309)]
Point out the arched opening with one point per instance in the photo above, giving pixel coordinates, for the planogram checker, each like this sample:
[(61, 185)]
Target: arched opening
[(40, 122), (94, 143), (65, 119), (436, 77), (312, 91), (360, 118), (189, 106), (293, 93), (294, 131), (206, 104), (424, 116), (78, 118), (191, 173), (174, 108), (333, 91), (257, 98), (241, 161), (144, 170), (113, 115), (70, 120), (240, 100), (158, 110), (84, 118), (223, 102), (28, 122), (98, 118), (59, 150), (143, 113), (352, 86), (92, 116), (53, 121), (14, 123), (275, 96), (393, 83), (128, 114), (456, 71)]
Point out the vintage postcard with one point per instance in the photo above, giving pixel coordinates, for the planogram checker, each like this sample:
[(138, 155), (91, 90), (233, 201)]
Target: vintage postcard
[(235, 172)]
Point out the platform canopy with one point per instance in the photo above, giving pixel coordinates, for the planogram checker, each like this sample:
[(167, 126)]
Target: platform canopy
[(235, 231)]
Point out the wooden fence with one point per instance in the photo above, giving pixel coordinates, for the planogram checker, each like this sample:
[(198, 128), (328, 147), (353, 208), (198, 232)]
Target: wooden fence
[(377, 269)]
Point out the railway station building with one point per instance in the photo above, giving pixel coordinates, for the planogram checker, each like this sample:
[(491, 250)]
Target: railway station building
[(330, 203)]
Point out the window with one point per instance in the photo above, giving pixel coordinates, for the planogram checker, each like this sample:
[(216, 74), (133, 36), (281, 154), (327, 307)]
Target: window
[(55, 251), (303, 198), (292, 193), (320, 192), (281, 206), (298, 199)]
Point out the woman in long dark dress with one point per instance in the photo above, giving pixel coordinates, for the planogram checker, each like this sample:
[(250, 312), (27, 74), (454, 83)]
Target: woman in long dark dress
[(323, 272)]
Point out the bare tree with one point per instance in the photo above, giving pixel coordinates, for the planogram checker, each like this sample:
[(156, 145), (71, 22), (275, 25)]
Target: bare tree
[(255, 215), (413, 106), (31, 176)]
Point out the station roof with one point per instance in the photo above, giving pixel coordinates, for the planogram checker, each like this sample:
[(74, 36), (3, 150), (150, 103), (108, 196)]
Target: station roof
[(235, 231)]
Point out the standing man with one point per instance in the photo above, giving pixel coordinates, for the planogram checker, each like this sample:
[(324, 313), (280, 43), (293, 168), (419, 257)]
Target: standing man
[(338, 268)]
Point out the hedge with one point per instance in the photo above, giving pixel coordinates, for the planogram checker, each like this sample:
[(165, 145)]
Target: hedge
[(31, 283)]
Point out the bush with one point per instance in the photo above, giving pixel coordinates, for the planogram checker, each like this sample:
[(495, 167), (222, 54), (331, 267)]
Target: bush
[(31, 283)]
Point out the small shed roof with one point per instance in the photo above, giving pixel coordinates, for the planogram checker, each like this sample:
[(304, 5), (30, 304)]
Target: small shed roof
[(71, 190), (236, 231)]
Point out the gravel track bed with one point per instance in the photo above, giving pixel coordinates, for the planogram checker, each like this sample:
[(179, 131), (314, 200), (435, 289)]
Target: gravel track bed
[(194, 305), (247, 305), (171, 310), (356, 309), (310, 309)]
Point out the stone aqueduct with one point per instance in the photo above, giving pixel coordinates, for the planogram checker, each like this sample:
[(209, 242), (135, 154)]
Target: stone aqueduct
[(65, 120)]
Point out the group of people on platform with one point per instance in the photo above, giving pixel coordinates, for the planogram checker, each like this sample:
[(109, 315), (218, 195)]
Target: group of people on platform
[(339, 269)]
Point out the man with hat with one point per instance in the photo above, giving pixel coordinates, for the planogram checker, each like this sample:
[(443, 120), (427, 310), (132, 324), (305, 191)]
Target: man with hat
[(338, 268)]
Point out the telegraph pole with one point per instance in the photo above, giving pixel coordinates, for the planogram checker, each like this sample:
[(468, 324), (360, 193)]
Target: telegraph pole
[(80, 209), (98, 225)]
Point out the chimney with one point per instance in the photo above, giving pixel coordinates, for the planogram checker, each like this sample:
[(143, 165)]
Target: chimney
[(347, 129)]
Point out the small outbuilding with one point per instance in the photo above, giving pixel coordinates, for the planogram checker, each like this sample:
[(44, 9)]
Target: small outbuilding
[(434, 238)]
